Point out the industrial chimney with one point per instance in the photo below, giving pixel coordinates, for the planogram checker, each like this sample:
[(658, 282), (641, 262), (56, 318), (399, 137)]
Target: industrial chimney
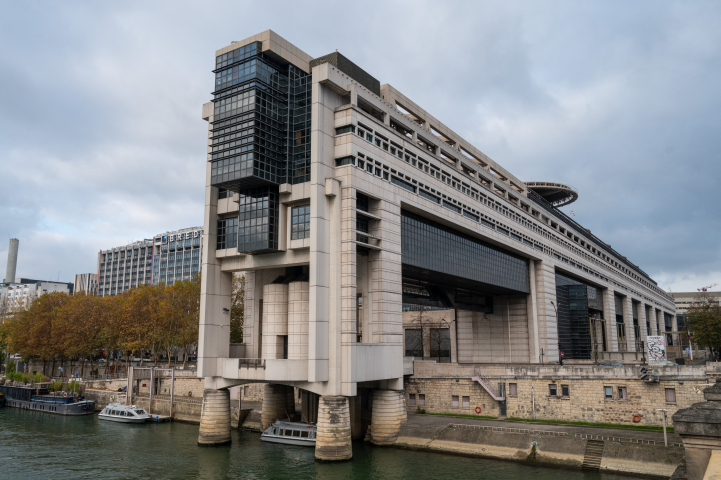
[(12, 260)]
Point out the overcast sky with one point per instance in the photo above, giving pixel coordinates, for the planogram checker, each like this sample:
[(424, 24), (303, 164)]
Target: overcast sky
[(101, 140)]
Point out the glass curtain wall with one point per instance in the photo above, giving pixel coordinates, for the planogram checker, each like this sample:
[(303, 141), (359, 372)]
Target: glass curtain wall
[(260, 138)]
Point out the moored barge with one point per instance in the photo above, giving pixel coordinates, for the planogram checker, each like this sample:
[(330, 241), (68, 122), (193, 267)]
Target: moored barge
[(39, 399)]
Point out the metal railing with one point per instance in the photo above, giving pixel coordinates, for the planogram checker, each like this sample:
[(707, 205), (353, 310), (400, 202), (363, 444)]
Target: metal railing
[(486, 383), (251, 363), (108, 376)]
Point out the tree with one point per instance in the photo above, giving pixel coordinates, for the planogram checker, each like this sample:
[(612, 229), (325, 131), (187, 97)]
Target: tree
[(237, 308), (704, 317), (188, 301), (429, 336)]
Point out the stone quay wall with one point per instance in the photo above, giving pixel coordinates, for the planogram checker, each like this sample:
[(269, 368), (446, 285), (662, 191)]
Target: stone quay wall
[(434, 386)]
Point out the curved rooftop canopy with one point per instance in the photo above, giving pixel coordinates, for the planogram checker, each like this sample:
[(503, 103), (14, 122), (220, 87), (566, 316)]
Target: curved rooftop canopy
[(557, 194)]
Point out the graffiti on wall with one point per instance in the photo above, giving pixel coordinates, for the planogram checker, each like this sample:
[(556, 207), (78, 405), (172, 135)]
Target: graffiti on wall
[(656, 350)]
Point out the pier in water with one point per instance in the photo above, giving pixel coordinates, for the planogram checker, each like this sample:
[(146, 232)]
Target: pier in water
[(35, 445)]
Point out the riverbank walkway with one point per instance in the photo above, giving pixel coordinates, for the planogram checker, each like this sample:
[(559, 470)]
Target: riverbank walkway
[(440, 421)]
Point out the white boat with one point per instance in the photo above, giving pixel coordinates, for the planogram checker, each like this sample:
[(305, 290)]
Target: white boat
[(117, 412), (290, 433)]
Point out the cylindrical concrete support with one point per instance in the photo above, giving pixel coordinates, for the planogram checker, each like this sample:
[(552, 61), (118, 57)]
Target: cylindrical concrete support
[(275, 319), (215, 418), (298, 304), (333, 436), (275, 404), (386, 416), (12, 260)]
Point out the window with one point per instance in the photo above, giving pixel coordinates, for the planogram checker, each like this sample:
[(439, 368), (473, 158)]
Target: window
[(227, 233), (622, 394), (440, 343), (346, 129), (466, 402), (300, 222), (552, 390), (339, 162), (412, 400), (512, 389), (246, 390), (403, 184), (454, 401), (608, 393), (565, 391), (421, 400), (414, 343), (670, 395)]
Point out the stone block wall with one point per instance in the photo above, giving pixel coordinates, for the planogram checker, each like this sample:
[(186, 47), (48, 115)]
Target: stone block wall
[(585, 402)]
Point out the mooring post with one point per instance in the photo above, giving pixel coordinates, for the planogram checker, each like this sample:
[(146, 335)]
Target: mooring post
[(172, 389), (150, 402)]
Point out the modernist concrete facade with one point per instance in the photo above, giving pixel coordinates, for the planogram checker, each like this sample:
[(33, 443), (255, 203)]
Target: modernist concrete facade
[(21, 292), (86, 282), (167, 257), (392, 214)]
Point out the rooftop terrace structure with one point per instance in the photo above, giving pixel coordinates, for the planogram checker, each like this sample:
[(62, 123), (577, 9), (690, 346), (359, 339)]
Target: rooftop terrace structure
[(370, 233)]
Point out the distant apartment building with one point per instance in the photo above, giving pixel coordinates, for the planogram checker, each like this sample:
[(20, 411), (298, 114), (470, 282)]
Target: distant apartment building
[(86, 282), (167, 257), (23, 291)]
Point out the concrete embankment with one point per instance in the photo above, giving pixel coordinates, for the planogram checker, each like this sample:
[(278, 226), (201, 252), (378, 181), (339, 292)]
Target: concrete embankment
[(552, 448)]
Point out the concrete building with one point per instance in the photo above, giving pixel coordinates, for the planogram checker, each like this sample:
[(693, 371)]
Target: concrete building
[(86, 282), (22, 291), (684, 300), (167, 257), (371, 234)]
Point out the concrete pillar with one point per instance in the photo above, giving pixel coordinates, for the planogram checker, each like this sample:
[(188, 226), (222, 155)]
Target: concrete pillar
[(275, 404), (333, 436), (386, 416), (215, 289), (628, 318), (545, 276), (298, 297), (609, 314), (534, 347), (275, 319), (651, 316), (215, 418)]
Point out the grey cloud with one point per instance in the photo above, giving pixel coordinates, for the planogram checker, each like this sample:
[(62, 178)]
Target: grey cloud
[(101, 139)]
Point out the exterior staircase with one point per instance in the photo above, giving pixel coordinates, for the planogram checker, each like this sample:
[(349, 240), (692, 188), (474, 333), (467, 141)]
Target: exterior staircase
[(593, 455), (486, 384)]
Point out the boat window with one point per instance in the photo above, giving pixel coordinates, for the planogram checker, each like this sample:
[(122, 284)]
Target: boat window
[(140, 411), (296, 433), (275, 431), (288, 433), (304, 434)]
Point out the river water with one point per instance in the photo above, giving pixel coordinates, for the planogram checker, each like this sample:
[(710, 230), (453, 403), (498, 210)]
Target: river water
[(36, 445)]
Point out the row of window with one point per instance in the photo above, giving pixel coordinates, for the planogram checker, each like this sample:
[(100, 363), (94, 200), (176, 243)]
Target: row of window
[(396, 150), (374, 167), (621, 395)]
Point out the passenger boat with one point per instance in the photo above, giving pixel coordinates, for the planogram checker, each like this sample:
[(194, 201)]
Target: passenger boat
[(290, 433), (39, 399), (117, 412)]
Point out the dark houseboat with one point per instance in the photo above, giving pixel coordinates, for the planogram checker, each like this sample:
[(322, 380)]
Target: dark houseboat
[(39, 399)]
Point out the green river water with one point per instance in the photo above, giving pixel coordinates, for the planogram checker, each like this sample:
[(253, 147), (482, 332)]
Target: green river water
[(36, 445)]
